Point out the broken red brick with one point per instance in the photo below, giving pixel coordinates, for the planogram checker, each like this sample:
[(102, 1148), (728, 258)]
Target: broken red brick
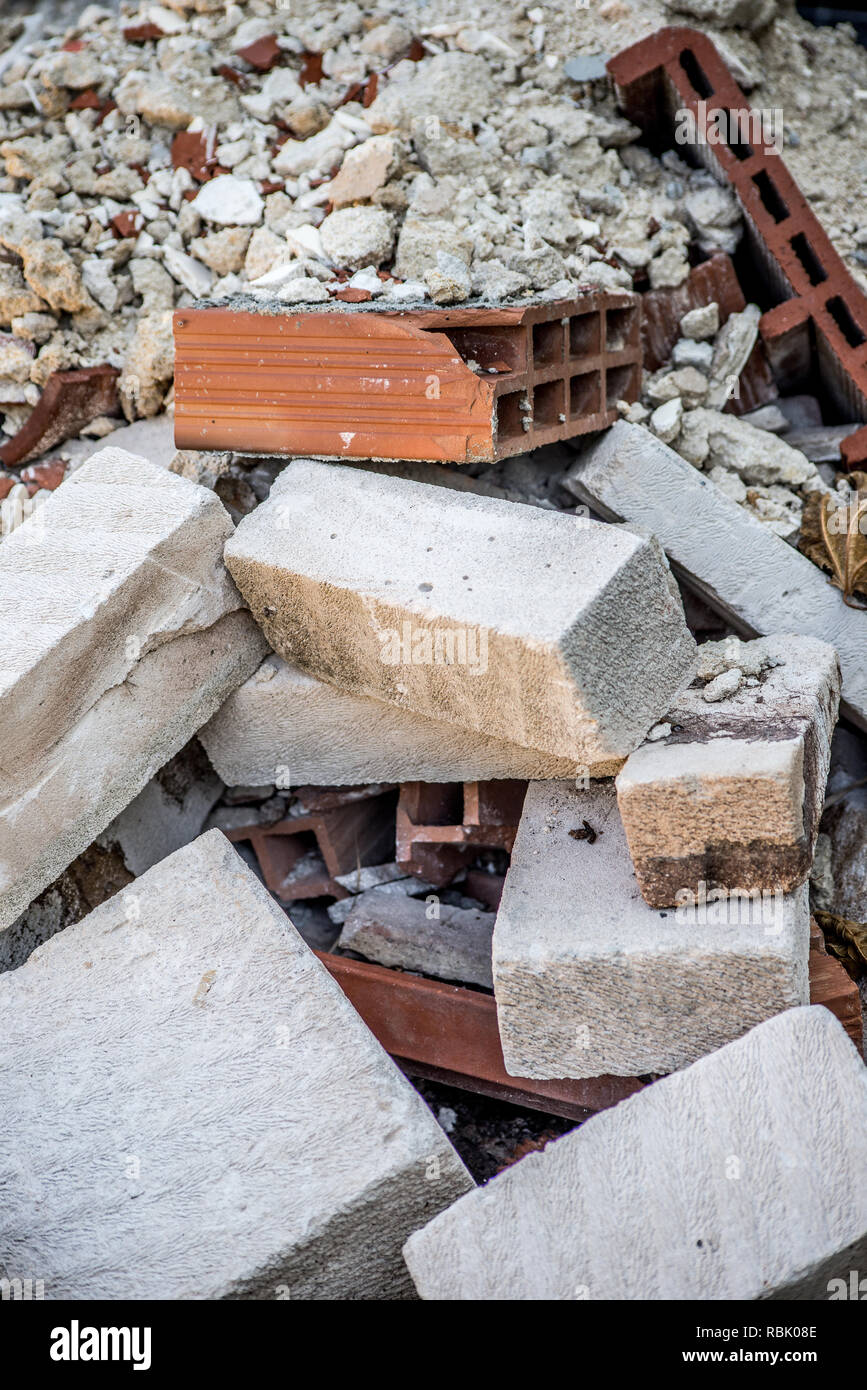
[(438, 824), (569, 363), (142, 33), (127, 223), (73, 46), (261, 55), (303, 856), (311, 69), (89, 99), (69, 401), (48, 475), (713, 281), (194, 151), (7, 482), (238, 79), (680, 69), (352, 296), (268, 186)]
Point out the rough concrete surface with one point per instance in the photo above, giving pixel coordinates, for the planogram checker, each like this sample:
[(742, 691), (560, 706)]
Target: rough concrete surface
[(124, 633), (589, 980), (731, 796), (743, 1177), (194, 1110), (753, 577), (321, 735), (573, 633)]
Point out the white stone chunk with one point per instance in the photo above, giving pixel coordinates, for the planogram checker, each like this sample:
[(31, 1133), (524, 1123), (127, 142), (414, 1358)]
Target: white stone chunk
[(544, 629), (590, 981), (193, 1109), (743, 1177)]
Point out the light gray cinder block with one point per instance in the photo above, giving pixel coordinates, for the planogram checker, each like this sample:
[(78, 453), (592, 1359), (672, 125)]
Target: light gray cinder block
[(193, 1109), (532, 626), (743, 1177), (753, 577), (729, 789), (124, 633), (285, 724), (591, 981)]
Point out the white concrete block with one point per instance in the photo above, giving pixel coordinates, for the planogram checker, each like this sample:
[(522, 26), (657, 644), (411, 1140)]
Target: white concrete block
[(548, 630), (123, 633), (283, 718), (731, 796), (743, 1177), (193, 1109), (590, 981), (743, 570)]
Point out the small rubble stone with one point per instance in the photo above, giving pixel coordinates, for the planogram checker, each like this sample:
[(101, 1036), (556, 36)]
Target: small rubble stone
[(223, 252), (356, 237), (733, 798), (149, 366), (582, 1220), (340, 598), (591, 981), (701, 323), (229, 200), (316, 1160), (365, 169), (53, 276), (449, 282)]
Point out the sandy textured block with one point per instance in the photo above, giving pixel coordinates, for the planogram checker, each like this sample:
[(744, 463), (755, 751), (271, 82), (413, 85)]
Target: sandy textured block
[(124, 634), (743, 570), (590, 980), (743, 1177), (543, 629), (194, 1110), (319, 735), (730, 791)]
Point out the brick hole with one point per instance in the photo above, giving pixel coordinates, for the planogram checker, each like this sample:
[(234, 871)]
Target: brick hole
[(435, 803), (549, 403), (813, 267), (585, 334), (739, 147), (584, 394), (291, 856), (548, 343), (503, 347), (770, 196), (696, 73), (842, 316), (621, 326), (620, 381), (510, 417)]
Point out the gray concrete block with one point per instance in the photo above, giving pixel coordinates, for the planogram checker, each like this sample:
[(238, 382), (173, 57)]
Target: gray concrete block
[(589, 980), (731, 795), (193, 1109), (743, 1177), (753, 577), (548, 630), (451, 943), (123, 633), (283, 723), (168, 813)]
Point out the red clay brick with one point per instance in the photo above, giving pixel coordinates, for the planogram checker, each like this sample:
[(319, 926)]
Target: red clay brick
[(262, 54), (69, 402), (679, 68), (438, 823), (397, 384)]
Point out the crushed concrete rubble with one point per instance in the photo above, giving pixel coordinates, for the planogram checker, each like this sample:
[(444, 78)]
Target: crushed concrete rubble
[(381, 572), (139, 552), (729, 790), (371, 744), (590, 980), (757, 581), (581, 1215), (231, 1006)]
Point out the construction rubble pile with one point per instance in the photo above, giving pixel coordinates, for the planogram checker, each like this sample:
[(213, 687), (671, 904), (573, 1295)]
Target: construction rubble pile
[(476, 694)]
